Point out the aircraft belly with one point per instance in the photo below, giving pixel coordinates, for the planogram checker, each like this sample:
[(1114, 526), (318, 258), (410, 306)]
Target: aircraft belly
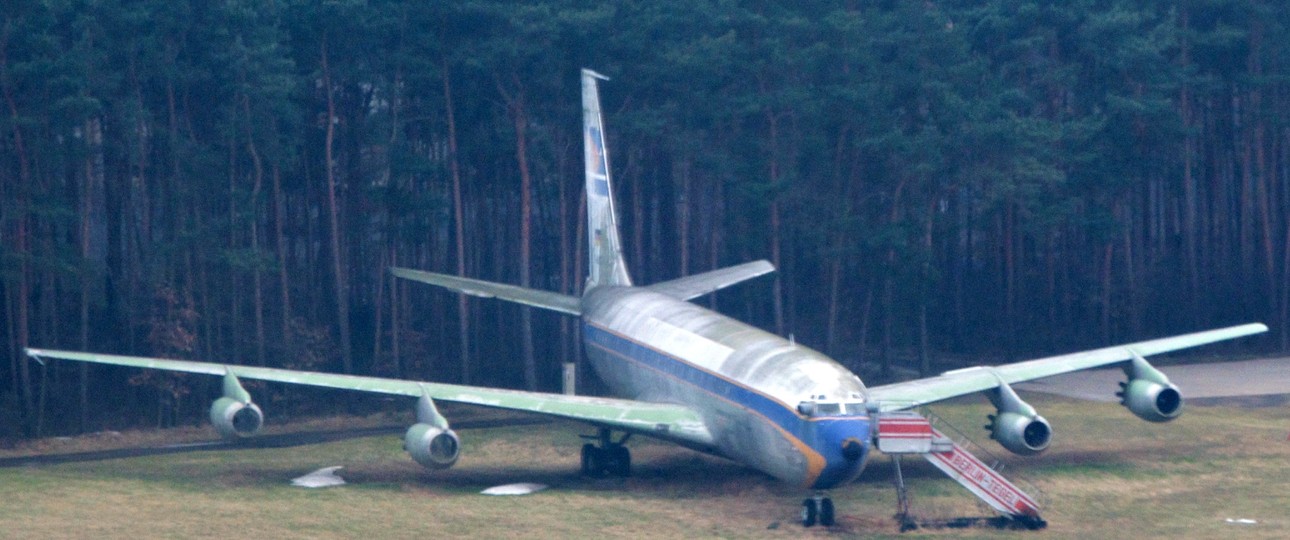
[(737, 433), (755, 442), (743, 382)]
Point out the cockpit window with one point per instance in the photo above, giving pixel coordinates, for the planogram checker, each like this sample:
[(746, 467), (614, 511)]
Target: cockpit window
[(816, 408), (828, 409)]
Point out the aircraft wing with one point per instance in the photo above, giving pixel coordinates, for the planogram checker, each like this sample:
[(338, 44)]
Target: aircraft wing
[(700, 284), (910, 394), (663, 420), (487, 289)]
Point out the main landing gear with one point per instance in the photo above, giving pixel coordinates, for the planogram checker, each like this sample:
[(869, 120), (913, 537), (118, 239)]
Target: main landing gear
[(817, 509), (606, 457)]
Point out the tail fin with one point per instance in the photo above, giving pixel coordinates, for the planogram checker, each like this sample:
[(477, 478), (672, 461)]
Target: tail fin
[(605, 253)]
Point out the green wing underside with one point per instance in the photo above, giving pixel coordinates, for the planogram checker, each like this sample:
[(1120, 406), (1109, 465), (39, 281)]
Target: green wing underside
[(910, 394), (662, 420)]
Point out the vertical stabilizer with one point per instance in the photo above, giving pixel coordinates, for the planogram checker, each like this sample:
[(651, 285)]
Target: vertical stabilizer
[(605, 253)]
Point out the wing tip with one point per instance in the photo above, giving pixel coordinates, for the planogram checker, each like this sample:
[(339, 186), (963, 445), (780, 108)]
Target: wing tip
[(1241, 330), (592, 73), (35, 354)]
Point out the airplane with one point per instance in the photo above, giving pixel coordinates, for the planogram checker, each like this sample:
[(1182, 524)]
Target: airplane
[(700, 379)]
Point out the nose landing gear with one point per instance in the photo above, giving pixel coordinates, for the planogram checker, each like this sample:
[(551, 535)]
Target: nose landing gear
[(817, 509)]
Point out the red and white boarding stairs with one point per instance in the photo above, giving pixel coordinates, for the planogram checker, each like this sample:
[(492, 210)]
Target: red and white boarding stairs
[(907, 432)]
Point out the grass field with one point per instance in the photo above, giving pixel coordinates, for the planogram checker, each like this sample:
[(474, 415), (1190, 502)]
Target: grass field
[(1106, 475)]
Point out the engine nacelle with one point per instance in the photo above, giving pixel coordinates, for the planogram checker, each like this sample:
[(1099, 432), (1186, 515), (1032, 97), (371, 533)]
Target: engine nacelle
[(1017, 426), (235, 419), (1152, 401), (432, 447), (1020, 434)]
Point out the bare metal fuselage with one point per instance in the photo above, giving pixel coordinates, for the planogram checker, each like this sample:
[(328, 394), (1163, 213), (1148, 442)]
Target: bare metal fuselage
[(746, 382)]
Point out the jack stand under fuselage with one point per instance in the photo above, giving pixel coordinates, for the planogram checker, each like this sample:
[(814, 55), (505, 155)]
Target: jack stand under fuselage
[(902, 498)]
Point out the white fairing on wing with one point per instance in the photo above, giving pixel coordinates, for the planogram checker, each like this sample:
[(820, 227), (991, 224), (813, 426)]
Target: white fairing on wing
[(324, 477), (522, 488)]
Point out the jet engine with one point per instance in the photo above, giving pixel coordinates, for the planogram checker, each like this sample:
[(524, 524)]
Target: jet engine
[(234, 415), (1020, 434), (430, 441), (1149, 394), (234, 419), (1017, 426), (432, 447)]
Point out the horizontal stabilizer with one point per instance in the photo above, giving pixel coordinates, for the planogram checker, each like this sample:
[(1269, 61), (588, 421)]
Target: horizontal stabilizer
[(487, 289), (700, 284)]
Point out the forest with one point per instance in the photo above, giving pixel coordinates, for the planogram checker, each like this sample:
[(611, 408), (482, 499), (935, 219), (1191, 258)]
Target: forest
[(935, 181)]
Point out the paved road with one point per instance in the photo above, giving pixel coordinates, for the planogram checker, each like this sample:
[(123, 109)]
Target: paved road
[(1199, 383)]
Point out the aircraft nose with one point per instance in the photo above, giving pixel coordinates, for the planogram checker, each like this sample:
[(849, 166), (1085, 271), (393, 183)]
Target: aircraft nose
[(843, 443)]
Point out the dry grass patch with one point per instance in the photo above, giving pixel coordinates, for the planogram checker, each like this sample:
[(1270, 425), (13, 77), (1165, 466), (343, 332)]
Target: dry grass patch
[(1107, 475)]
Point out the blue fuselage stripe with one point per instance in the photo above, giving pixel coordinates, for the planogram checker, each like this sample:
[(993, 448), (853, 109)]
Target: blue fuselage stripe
[(719, 386), (823, 435)]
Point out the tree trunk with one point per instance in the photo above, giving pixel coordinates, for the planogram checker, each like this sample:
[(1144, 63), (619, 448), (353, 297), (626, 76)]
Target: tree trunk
[(257, 275), (458, 211), (1285, 290), (681, 172), (831, 320), (378, 305), (638, 262), (20, 242), (519, 115), (777, 287), (885, 351), (1108, 253), (1263, 183), (337, 265), (1009, 278), (396, 297), (1190, 225), (84, 341), (866, 318), (924, 293), (714, 242), (1130, 262), (280, 240)]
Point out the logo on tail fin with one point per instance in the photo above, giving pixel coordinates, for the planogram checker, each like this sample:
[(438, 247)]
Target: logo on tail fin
[(605, 256), (596, 164)]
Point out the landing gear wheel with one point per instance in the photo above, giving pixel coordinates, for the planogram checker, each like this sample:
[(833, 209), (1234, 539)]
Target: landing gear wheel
[(809, 512), (619, 461), (606, 456), (826, 512), (593, 461)]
